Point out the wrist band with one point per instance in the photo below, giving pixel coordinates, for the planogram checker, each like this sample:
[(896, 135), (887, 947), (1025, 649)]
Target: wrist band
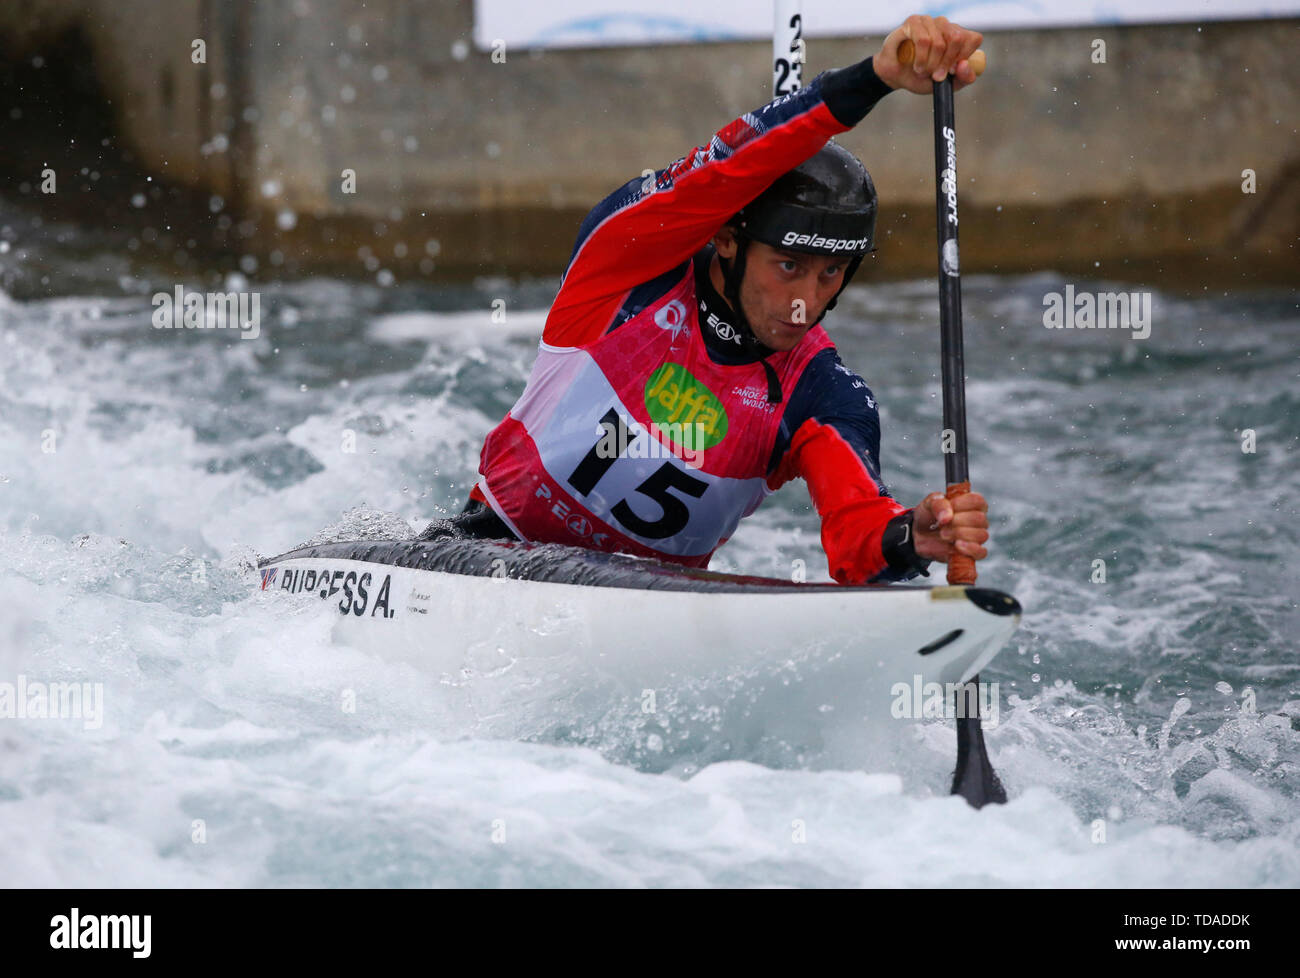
[(899, 549)]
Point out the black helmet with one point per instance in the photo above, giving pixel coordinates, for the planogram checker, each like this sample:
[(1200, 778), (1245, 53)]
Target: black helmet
[(824, 206)]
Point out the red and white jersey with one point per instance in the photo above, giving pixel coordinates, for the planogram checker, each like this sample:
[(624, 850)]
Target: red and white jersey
[(640, 442)]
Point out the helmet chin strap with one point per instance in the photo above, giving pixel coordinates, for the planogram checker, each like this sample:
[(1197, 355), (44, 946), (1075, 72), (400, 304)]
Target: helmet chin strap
[(731, 276)]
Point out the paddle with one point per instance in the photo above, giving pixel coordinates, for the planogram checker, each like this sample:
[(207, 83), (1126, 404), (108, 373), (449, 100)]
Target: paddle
[(974, 778)]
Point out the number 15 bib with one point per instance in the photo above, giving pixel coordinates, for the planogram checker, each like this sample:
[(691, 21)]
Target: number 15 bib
[(640, 442)]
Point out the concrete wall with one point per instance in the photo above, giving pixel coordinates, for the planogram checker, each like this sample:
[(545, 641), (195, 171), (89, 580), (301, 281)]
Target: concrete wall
[(1136, 162)]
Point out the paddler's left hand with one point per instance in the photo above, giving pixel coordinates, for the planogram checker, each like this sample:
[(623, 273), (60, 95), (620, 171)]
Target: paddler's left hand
[(940, 524)]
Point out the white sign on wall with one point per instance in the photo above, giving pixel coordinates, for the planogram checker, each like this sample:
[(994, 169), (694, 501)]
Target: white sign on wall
[(602, 23)]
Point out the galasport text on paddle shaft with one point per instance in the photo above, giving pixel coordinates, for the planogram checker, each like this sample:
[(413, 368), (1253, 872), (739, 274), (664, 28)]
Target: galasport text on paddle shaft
[(974, 778)]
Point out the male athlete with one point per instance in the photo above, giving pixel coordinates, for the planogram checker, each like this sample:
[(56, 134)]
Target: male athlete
[(683, 375)]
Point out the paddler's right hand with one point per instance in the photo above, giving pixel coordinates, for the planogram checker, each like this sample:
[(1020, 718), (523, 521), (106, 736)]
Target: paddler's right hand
[(942, 48), (941, 525)]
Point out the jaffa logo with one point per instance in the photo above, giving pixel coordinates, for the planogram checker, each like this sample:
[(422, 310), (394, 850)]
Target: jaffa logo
[(675, 400)]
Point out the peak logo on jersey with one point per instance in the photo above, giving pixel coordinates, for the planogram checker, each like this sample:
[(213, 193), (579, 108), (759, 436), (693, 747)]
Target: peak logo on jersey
[(674, 398), (721, 329)]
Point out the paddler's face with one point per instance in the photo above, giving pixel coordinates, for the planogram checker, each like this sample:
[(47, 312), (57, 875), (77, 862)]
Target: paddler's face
[(783, 292)]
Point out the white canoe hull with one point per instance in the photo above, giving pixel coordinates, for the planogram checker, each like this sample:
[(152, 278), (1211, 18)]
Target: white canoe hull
[(680, 623)]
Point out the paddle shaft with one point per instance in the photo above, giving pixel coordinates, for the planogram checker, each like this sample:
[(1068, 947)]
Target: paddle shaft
[(974, 778), (961, 569)]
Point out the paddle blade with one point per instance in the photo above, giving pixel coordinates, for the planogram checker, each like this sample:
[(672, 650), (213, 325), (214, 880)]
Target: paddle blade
[(974, 779)]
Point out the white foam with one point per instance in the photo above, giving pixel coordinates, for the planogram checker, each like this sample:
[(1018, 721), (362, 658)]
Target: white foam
[(125, 563)]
